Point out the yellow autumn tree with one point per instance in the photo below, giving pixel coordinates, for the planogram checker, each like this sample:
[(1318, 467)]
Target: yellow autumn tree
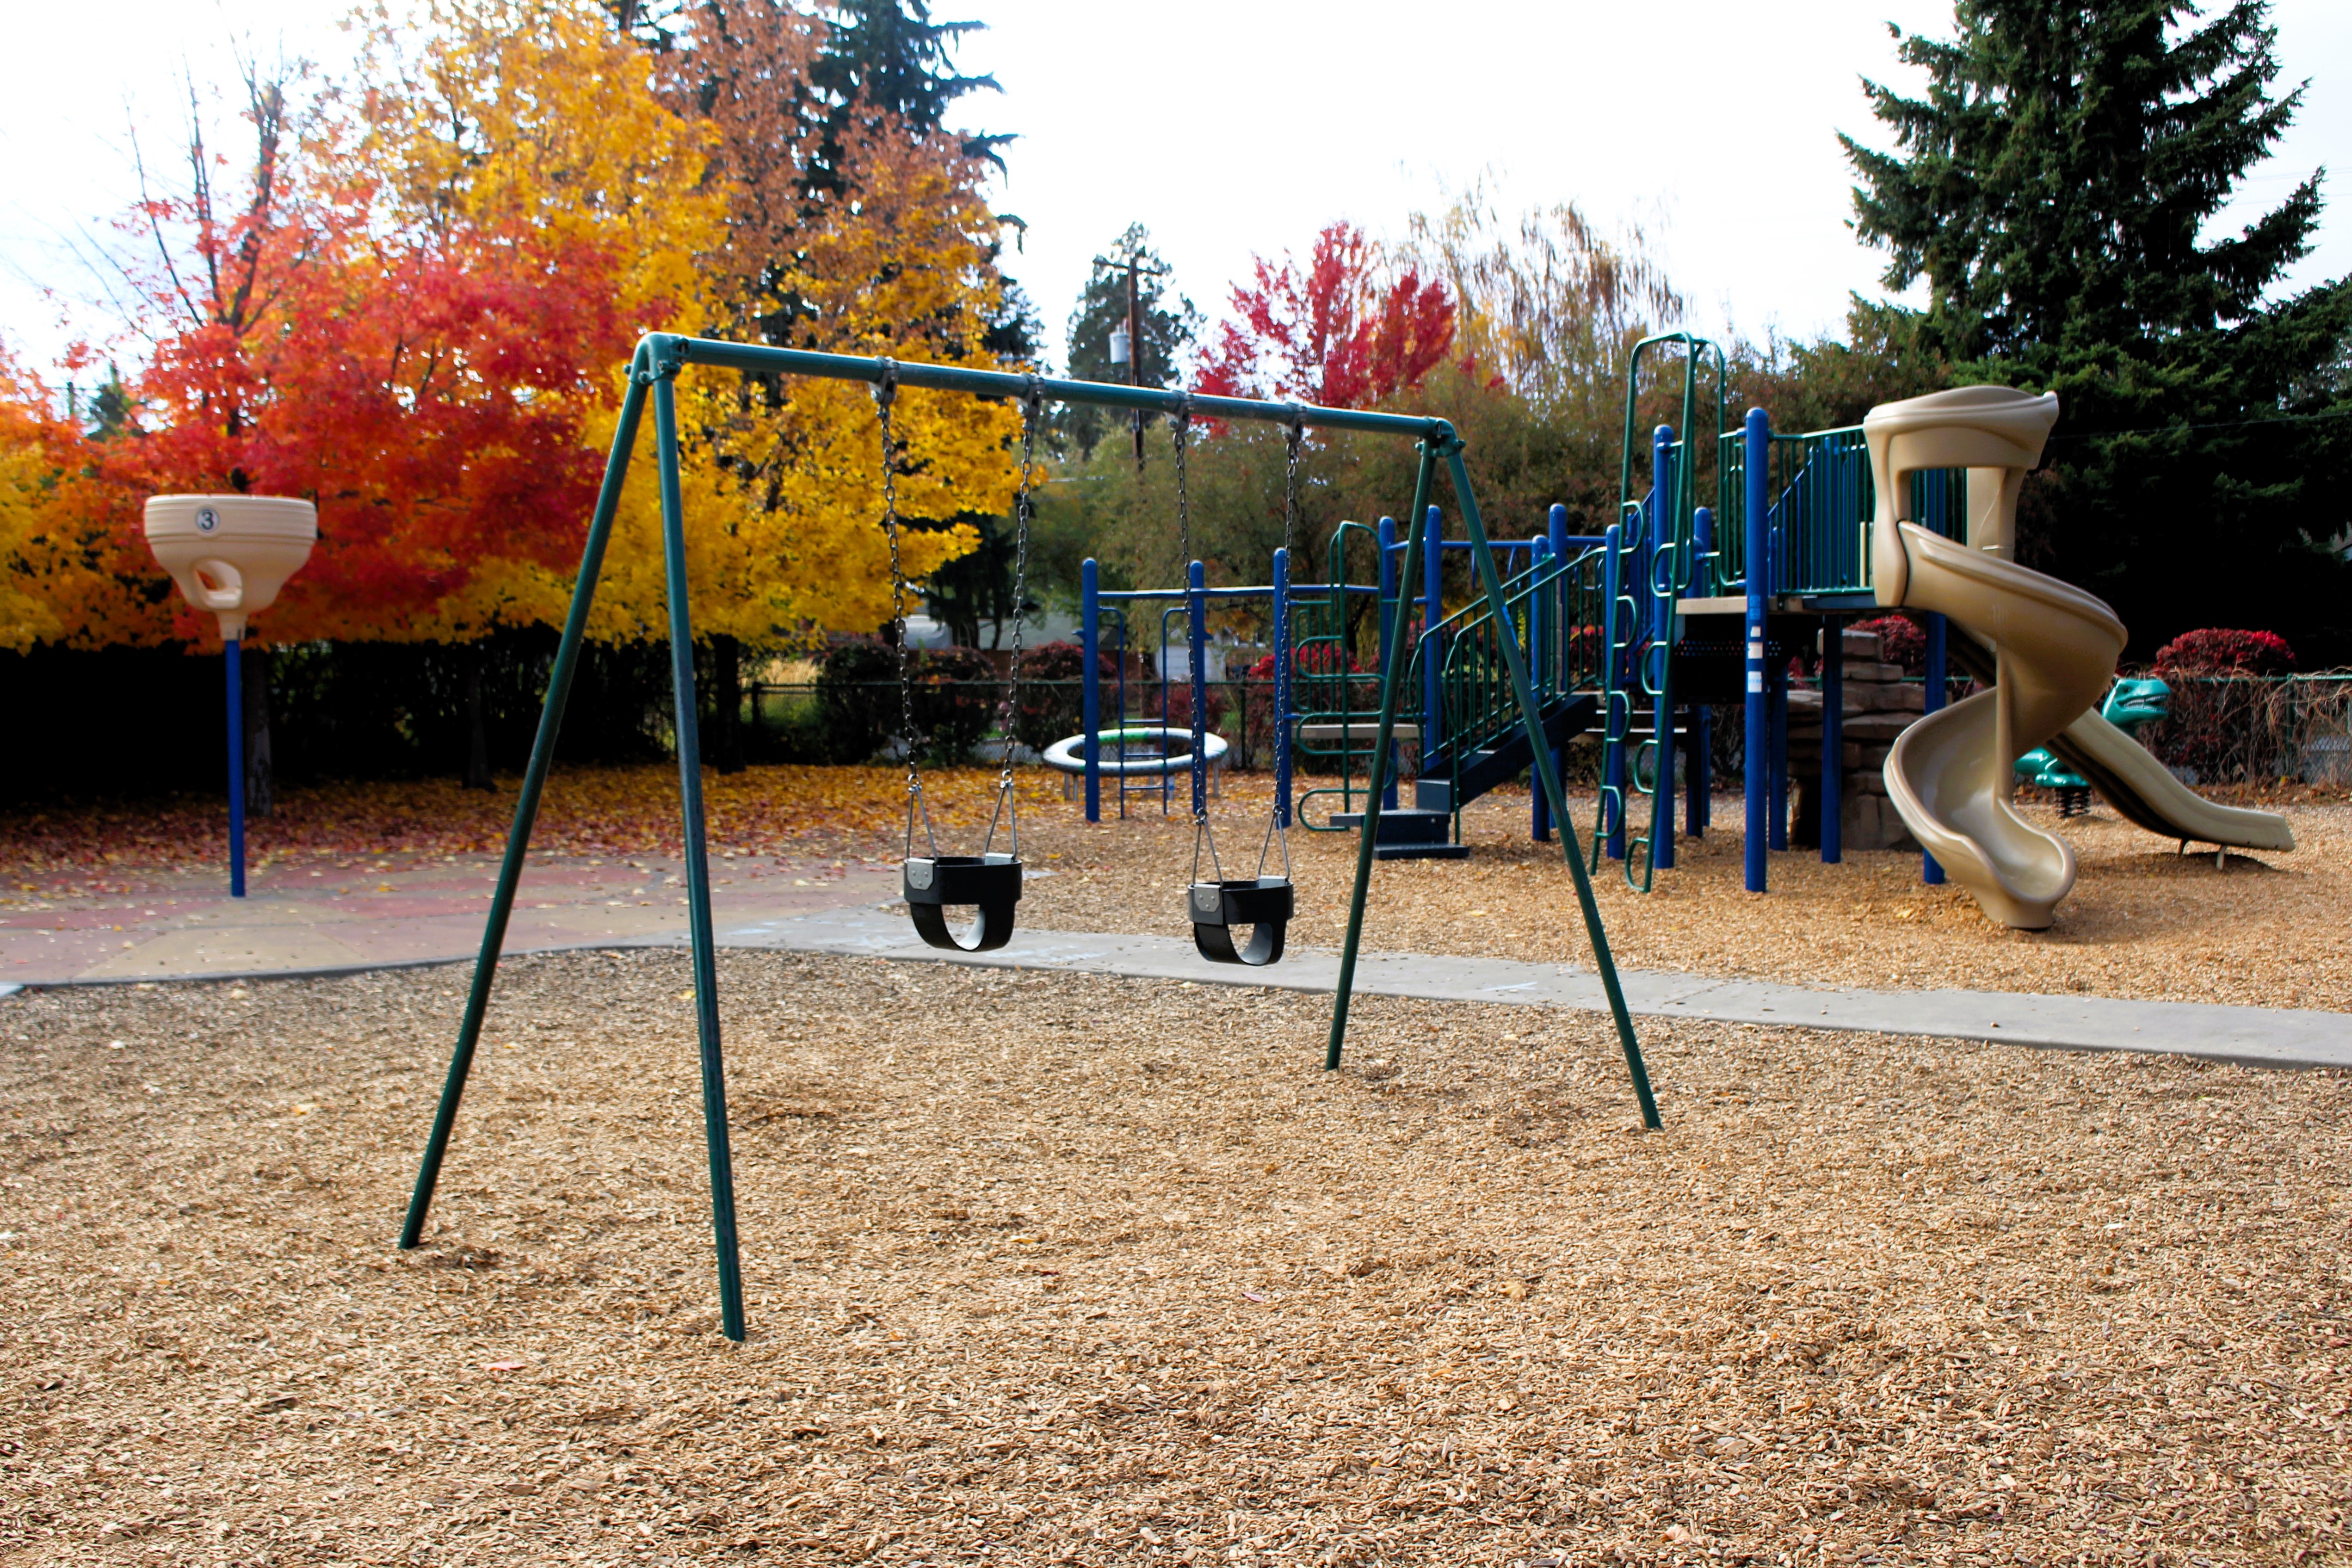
[(535, 106), (63, 563)]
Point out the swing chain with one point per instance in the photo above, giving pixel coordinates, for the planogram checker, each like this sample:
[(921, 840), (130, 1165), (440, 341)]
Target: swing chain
[(886, 397), (1293, 437), (1032, 416)]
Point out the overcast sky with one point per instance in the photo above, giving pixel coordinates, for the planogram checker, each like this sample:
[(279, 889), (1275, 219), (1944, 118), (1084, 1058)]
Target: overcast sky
[(1241, 127)]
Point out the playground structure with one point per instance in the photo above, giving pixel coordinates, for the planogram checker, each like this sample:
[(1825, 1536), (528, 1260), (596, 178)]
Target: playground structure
[(659, 359), (1631, 638), (230, 555)]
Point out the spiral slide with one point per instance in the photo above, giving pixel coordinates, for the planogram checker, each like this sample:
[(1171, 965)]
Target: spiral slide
[(2054, 647)]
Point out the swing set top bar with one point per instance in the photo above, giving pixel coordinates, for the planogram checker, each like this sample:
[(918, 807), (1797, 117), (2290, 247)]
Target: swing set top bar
[(665, 352)]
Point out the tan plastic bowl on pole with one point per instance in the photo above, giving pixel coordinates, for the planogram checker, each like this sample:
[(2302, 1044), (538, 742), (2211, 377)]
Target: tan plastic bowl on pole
[(231, 553)]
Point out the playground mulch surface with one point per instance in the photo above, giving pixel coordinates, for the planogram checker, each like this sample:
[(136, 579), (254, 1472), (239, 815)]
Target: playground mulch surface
[(1059, 1269), (2143, 920)]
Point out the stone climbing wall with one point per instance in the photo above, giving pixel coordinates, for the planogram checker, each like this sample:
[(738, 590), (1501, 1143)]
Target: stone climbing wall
[(1879, 705)]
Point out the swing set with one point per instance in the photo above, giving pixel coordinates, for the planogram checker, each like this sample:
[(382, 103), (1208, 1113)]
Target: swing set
[(988, 883)]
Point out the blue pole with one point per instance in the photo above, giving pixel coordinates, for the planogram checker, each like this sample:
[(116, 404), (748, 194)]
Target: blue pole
[(1196, 637), (1388, 597), (1540, 615), (1283, 702), (1699, 785), (1666, 510), (1757, 455), (233, 661), (1616, 719), (1929, 872), (1831, 794), (1090, 648), (1433, 657), (1556, 527)]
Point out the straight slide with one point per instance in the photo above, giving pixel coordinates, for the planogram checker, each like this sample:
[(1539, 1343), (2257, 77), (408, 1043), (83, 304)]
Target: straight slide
[(2142, 790)]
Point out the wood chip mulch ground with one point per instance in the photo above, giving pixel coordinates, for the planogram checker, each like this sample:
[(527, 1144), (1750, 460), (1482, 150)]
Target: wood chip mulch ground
[(2143, 920), (1048, 1269)]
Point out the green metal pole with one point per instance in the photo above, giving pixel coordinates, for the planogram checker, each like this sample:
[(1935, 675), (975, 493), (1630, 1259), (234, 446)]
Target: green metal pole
[(697, 864), (1548, 773), (534, 780), (1400, 657)]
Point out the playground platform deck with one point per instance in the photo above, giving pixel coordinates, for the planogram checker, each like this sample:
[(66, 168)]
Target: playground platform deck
[(306, 923)]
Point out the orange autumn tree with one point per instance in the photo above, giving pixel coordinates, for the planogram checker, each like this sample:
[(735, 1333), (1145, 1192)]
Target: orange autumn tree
[(417, 309)]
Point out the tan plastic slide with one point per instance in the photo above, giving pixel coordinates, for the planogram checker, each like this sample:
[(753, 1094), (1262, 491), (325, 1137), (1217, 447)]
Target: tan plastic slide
[(2054, 646), (2141, 789), (2051, 649)]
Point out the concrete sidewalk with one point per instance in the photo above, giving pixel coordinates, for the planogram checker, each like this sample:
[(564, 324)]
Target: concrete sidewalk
[(299, 919), (2259, 1036), (313, 923)]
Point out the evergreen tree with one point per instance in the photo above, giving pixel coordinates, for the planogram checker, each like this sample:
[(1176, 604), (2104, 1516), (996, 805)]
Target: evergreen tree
[(2054, 187), (888, 58), (1170, 321)]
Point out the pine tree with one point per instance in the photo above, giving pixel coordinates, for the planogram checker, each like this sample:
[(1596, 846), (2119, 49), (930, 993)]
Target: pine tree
[(2056, 188), (888, 58), (1169, 324)]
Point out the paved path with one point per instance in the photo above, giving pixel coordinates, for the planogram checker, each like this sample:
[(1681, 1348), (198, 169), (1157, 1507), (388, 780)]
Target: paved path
[(300, 922)]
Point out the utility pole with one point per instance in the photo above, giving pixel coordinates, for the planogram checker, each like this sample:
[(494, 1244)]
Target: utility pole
[(1132, 356)]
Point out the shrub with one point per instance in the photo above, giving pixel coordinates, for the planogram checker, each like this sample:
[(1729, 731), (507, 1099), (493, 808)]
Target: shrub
[(956, 695), (856, 709), (2227, 723), (1901, 640), (2220, 650), (1320, 658), (1050, 711)]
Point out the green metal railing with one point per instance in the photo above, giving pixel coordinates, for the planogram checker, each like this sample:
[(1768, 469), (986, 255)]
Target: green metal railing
[(1330, 691), (1554, 614), (1824, 498)]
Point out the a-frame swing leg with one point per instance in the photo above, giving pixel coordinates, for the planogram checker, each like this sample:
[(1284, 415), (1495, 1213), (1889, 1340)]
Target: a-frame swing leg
[(1548, 773), (698, 868), (643, 372), (1397, 655)]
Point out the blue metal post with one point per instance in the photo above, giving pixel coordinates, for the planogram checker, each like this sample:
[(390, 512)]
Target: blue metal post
[(1090, 650), (1616, 718), (1758, 454), (1929, 872), (1831, 794), (1664, 507), (1283, 702), (233, 658), (1697, 782), (1556, 530), (1387, 602), (1433, 657), (1541, 613), (1196, 637)]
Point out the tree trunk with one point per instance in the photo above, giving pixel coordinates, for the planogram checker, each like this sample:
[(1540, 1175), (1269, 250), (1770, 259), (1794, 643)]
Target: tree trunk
[(478, 736), (724, 750), (259, 775)]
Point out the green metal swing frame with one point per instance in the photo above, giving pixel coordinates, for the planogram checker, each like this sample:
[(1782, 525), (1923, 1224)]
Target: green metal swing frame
[(654, 370)]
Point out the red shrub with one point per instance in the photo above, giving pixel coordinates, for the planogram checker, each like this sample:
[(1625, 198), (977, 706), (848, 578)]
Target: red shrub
[(1901, 640), (2220, 650)]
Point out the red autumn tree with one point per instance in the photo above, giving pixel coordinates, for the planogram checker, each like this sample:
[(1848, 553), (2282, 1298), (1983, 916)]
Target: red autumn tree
[(1346, 333), (422, 382)]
